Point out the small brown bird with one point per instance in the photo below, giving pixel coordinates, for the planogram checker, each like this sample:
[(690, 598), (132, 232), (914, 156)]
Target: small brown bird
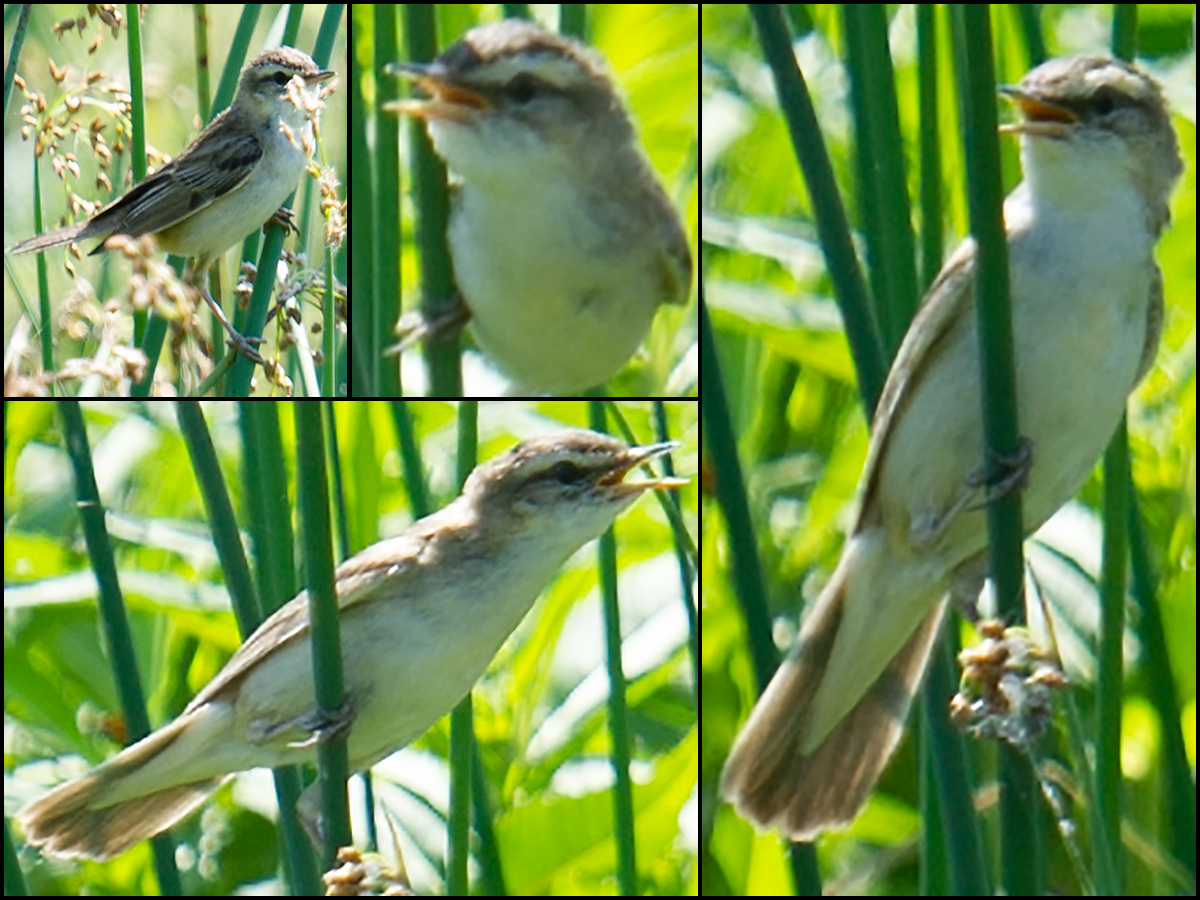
[(1100, 159), (421, 615), (226, 183)]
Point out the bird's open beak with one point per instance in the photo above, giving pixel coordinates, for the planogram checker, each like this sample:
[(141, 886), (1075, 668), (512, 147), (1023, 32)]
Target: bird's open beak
[(447, 100), (1040, 117)]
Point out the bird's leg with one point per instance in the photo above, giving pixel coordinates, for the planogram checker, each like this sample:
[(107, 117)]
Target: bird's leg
[(244, 345), (285, 219), (415, 327)]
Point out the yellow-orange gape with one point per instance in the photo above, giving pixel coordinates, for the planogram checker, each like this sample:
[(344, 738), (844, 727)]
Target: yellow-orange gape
[(1099, 158)]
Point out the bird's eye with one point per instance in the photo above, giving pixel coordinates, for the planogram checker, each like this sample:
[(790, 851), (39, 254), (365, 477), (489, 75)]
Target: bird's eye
[(1105, 102), (566, 473), (523, 88), (281, 78)]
